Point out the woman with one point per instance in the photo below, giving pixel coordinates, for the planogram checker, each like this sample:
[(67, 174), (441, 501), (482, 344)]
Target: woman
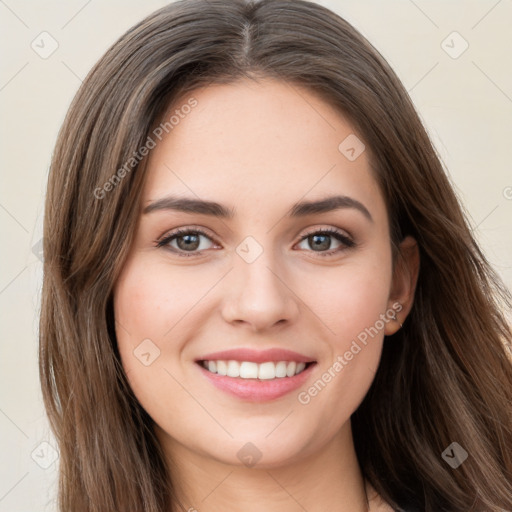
[(260, 291)]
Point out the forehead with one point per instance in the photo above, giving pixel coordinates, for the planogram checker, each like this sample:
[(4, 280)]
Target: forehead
[(256, 145)]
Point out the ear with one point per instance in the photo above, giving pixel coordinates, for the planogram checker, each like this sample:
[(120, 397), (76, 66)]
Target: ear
[(403, 285)]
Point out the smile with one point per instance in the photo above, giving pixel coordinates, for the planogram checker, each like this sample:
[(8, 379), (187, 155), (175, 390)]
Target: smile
[(256, 382), (251, 370)]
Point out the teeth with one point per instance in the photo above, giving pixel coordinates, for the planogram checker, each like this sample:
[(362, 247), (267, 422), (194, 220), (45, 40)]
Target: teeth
[(233, 369), (222, 367), (250, 370)]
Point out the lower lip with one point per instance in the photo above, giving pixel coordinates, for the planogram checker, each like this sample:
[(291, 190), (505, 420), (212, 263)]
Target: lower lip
[(256, 390)]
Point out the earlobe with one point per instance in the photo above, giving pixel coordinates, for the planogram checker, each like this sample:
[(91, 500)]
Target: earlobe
[(395, 324), (403, 286)]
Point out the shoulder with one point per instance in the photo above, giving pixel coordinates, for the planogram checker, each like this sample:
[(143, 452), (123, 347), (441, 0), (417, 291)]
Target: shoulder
[(377, 503)]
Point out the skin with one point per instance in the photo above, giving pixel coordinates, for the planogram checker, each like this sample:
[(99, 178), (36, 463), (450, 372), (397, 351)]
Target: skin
[(259, 147)]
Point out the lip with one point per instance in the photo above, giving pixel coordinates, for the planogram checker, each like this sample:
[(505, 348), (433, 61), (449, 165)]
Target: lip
[(256, 390), (257, 356)]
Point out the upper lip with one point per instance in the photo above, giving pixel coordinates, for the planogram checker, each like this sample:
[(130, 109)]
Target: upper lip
[(256, 356)]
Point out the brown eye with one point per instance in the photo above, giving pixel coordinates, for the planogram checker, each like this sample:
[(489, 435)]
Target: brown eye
[(189, 242)]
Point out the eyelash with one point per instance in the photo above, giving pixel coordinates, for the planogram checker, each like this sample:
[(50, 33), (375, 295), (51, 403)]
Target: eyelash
[(348, 242)]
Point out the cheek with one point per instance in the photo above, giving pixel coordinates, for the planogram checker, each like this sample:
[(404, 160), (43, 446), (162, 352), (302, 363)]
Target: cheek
[(351, 297), (150, 301), (154, 309), (350, 305)]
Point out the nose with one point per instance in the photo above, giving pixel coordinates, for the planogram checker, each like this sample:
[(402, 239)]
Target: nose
[(258, 295)]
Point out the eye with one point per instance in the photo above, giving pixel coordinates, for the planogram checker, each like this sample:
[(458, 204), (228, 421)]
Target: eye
[(187, 240), (322, 239)]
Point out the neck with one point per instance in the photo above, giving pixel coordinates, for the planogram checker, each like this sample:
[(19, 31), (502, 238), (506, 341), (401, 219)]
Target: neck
[(328, 479)]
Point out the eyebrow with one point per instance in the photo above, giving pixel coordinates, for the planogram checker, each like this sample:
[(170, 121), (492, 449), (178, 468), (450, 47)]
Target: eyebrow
[(301, 209)]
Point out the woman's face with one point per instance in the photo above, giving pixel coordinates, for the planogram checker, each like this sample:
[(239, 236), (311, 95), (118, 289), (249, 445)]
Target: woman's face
[(275, 268)]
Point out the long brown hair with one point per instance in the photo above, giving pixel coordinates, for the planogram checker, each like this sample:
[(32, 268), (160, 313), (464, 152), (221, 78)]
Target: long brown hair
[(444, 378)]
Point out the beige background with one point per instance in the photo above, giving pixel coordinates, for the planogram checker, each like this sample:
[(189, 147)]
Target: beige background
[(465, 102)]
